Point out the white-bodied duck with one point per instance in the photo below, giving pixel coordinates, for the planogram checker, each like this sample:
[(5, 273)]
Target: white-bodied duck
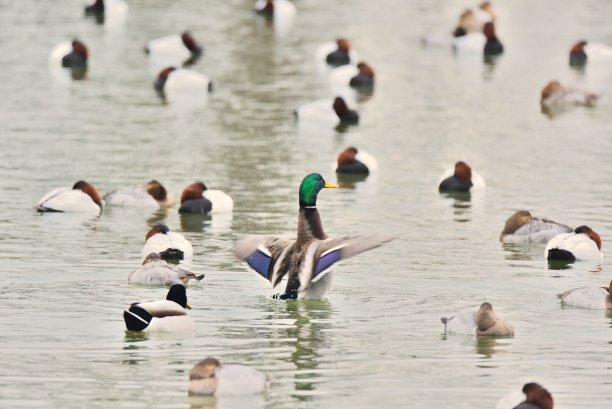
[(154, 270), (337, 53), (325, 111), (584, 51), (153, 194), (210, 377), (308, 260), (352, 162), (175, 49), (169, 245), (83, 197), (179, 84), (198, 199), (461, 178), (583, 244), (167, 315)]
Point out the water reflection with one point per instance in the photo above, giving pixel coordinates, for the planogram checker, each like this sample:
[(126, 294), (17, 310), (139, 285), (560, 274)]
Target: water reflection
[(522, 251), (349, 180), (158, 216), (461, 202), (226, 402), (488, 346)]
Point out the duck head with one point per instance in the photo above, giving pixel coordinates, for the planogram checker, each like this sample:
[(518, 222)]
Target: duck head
[(151, 258), (590, 233), (343, 44), (157, 191), (463, 172), (191, 43), (346, 115), (193, 191), (467, 23), (577, 55), (202, 378), (365, 69), (178, 294), (489, 31), (516, 221), (90, 190), (310, 187), (347, 156), (162, 77), (551, 88), (158, 228), (485, 317), (537, 395)]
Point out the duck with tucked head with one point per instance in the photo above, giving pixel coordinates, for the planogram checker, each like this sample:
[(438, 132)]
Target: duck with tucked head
[(167, 315), (522, 227), (595, 298), (169, 245), (198, 199), (210, 377), (327, 112), (556, 97), (175, 84), (154, 270), (153, 194), (175, 49), (581, 244), (481, 322), (460, 179), (307, 261), (83, 197), (584, 51), (352, 161)]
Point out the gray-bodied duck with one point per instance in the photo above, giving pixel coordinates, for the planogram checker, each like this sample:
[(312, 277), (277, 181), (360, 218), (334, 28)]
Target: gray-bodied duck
[(307, 261)]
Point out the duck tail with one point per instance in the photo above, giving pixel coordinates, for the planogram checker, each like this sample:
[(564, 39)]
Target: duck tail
[(136, 318), (172, 255), (561, 255)]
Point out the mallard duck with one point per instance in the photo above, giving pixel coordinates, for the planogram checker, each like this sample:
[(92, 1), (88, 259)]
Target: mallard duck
[(533, 396), (169, 245), (210, 377), (83, 197), (595, 298), (154, 270), (167, 315), (308, 260), (481, 322), (522, 227), (581, 244)]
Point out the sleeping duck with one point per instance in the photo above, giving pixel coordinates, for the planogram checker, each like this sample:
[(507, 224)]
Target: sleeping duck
[(460, 179), (210, 377), (581, 244), (169, 245), (555, 97), (198, 199), (83, 197), (307, 261), (522, 227), (481, 322), (323, 112), (154, 270), (153, 194), (533, 396), (167, 315), (595, 298)]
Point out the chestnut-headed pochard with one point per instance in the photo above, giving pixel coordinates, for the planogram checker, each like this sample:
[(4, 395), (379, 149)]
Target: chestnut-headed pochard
[(532, 396), (556, 97), (167, 315), (522, 227), (360, 77), (83, 197), (176, 84), (169, 245), (584, 51), (210, 377), (155, 270), (595, 298), (153, 194), (353, 161), (109, 12), (337, 53), (581, 244), (73, 55), (198, 199), (482, 322), (326, 111), (460, 179), (175, 49), (485, 42)]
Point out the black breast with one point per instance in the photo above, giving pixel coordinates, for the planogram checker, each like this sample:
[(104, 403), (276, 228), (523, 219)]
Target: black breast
[(196, 206)]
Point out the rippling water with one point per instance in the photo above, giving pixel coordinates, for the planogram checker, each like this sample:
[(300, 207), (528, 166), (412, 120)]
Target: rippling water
[(377, 340)]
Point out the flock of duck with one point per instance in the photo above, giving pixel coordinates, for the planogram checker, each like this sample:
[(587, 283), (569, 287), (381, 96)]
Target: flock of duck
[(307, 261)]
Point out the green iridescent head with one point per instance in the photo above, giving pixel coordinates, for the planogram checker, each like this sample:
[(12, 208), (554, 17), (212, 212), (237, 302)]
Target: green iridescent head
[(310, 187)]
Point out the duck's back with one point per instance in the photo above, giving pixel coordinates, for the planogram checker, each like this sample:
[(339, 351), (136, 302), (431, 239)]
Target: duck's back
[(65, 199), (131, 197), (537, 231), (240, 380), (156, 272), (580, 245), (586, 297), (463, 324)]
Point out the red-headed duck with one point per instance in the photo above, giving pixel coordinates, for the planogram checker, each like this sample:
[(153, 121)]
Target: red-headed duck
[(481, 322), (169, 245), (83, 197), (175, 49), (198, 199), (108, 11), (584, 51), (522, 227), (153, 194), (352, 161), (532, 396), (581, 244), (210, 377), (556, 97), (73, 55), (460, 179), (326, 111), (360, 77), (155, 270), (176, 84), (337, 53)]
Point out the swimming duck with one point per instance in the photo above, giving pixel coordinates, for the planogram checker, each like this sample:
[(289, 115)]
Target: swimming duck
[(337, 53), (210, 377), (154, 270), (275, 8), (485, 42), (557, 97), (360, 77), (197, 198), (468, 23), (167, 315), (108, 11), (352, 161), (153, 194), (533, 396), (169, 245), (521, 227), (460, 179), (484, 13), (326, 111), (307, 261), (175, 49), (596, 298), (178, 83), (71, 55), (584, 51), (581, 244), (481, 322), (83, 197)]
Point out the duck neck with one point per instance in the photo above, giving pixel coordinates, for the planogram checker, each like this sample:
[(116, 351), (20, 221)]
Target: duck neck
[(309, 225)]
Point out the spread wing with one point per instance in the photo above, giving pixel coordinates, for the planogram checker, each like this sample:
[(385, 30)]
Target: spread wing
[(265, 255), (322, 255)]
